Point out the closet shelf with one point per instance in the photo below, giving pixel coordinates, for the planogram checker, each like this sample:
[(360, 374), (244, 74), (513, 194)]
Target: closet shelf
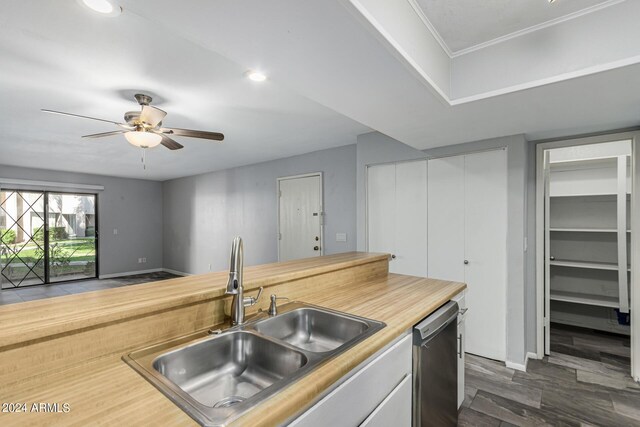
[(579, 298), (586, 230), (561, 196), (585, 264)]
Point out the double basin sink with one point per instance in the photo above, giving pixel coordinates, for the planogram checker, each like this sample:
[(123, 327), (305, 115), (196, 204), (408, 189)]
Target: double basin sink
[(218, 377)]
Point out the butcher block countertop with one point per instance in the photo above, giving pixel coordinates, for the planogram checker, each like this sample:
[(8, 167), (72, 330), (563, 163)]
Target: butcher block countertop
[(71, 365)]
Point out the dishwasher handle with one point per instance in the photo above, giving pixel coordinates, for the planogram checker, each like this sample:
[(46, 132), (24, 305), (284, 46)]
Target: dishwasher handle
[(437, 321)]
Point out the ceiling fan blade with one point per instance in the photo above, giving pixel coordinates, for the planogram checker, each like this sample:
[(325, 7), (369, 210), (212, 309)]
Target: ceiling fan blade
[(83, 117), (100, 135), (194, 133), (151, 115), (170, 143)]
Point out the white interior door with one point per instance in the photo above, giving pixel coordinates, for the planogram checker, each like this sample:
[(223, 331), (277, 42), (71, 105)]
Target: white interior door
[(446, 218), (485, 213), (381, 203), (300, 217), (410, 218)]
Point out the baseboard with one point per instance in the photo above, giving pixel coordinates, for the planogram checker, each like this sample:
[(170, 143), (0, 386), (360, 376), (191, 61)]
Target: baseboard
[(129, 273), (521, 366), (133, 273), (176, 272), (516, 366)]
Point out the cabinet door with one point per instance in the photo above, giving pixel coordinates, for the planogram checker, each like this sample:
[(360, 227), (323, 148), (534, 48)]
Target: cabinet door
[(395, 409), (411, 219), (381, 202), (351, 402), (485, 213), (445, 182)]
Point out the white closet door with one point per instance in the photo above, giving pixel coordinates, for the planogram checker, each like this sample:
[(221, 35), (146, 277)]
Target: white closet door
[(485, 212), (381, 204), (411, 224), (446, 218)]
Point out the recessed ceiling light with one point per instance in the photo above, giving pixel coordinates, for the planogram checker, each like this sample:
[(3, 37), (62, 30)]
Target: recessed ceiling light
[(256, 76), (104, 7)]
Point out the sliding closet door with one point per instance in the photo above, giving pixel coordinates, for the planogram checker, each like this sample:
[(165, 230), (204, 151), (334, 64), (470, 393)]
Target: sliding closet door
[(411, 224), (396, 215), (381, 208), (446, 218), (485, 224)]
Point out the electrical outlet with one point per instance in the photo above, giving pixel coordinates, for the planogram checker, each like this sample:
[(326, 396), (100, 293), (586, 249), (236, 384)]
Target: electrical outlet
[(341, 237), (209, 267), (115, 231), (139, 260), (144, 260)]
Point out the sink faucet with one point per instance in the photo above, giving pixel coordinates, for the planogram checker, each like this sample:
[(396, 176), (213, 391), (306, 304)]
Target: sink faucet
[(235, 286)]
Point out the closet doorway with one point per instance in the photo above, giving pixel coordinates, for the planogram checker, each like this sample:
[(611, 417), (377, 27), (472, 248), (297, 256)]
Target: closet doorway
[(584, 236)]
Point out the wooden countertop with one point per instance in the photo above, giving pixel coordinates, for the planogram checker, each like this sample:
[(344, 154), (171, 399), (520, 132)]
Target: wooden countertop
[(59, 315), (106, 391)]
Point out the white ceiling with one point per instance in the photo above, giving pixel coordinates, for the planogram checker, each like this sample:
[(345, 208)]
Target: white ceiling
[(462, 24), (331, 77), (62, 56)]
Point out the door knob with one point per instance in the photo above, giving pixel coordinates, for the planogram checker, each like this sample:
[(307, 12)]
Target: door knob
[(393, 256), (466, 261), (316, 248), (317, 238)]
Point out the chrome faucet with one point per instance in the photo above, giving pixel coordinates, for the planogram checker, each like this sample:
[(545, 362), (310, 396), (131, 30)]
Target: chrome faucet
[(235, 286)]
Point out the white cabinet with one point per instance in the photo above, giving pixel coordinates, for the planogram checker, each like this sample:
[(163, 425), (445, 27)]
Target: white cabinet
[(467, 228), (371, 393), (395, 409), (396, 214), (462, 306)]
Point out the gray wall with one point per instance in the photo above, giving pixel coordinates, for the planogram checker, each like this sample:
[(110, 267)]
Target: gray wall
[(202, 213), (376, 148), (132, 206)]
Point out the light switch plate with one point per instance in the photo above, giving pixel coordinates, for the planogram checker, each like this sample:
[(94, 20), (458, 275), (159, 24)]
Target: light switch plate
[(341, 237)]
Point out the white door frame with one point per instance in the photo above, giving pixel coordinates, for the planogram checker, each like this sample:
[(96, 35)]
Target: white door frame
[(321, 213), (635, 236)]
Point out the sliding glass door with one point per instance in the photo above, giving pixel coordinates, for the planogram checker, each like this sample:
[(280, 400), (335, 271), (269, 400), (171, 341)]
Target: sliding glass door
[(22, 249), (72, 236), (46, 237)]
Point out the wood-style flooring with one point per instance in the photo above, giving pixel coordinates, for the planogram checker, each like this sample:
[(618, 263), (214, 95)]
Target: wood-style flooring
[(584, 382), (30, 293)]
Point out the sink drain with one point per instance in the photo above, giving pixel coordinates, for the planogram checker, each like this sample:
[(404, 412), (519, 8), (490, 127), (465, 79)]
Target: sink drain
[(228, 401)]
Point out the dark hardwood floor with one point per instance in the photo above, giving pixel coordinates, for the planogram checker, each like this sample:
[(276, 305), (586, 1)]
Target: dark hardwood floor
[(31, 293), (584, 382)]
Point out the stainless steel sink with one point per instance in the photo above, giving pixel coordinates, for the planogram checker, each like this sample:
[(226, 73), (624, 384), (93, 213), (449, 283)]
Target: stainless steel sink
[(313, 329), (230, 369), (217, 378)]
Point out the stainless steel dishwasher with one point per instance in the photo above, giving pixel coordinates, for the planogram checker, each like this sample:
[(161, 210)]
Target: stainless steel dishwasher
[(435, 368)]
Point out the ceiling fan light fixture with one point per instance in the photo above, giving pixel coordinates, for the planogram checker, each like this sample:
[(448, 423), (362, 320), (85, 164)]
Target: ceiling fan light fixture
[(256, 76), (143, 139), (103, 7)]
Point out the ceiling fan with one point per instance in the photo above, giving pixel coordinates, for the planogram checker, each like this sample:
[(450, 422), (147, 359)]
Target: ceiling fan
[(144, 128)]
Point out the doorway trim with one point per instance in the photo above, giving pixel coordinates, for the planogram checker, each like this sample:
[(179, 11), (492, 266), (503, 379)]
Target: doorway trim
[(321, 213), (634, 136)]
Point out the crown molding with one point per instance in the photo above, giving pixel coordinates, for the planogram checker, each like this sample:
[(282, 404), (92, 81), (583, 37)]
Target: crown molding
[(536, 27), (452, 54)]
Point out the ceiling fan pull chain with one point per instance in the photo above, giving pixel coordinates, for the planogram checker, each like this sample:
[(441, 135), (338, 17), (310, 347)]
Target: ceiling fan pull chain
[(144, 164)]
